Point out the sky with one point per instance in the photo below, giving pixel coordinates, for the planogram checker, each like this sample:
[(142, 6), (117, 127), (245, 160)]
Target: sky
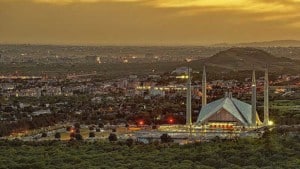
[(148, 22)]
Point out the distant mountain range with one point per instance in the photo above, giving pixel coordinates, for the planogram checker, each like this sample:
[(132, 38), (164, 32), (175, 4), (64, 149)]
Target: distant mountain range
[(244, 58), (275, 43)]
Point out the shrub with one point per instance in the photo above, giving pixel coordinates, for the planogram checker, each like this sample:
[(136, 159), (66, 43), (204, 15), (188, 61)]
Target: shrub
[(78, 136), (77, 125), (57, 135), (165, 138), (101, 125), (92, 134), (91, 128), (112, 137), (44, 134), (72, 135), (68, 128), (129, 142)]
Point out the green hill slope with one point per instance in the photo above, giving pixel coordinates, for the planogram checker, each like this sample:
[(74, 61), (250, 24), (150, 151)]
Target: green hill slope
[(246, 58)]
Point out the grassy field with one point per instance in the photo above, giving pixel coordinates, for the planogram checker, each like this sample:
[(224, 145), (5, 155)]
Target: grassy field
[(286, 105), (285, 111)]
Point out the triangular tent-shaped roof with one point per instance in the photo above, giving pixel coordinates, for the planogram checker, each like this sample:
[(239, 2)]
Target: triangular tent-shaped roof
[(240, 110)]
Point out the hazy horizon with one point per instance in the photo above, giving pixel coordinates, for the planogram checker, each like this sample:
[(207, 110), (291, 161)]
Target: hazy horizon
[(147, 22), (146, 45)]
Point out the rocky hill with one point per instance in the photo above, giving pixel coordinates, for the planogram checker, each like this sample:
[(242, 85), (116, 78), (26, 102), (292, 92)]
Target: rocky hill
[(246, 58)]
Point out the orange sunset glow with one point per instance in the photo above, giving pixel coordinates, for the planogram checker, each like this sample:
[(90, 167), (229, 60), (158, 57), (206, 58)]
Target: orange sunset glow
[(148, 22)]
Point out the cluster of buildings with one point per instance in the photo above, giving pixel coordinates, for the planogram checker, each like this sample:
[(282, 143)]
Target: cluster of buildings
[(49, 54), (218, 102)]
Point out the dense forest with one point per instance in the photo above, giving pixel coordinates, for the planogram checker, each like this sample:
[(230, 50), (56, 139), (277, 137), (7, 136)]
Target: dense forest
[(273, 150)]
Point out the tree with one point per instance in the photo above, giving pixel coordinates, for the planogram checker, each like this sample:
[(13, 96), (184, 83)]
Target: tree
[(44, 134), (165, 138), (216, 139), (129, 142), (68, 128), (78, 137), (101, 125), (92, 135), (77, 125), (112, 137), (91, 128), (72, 135), (57, 135)]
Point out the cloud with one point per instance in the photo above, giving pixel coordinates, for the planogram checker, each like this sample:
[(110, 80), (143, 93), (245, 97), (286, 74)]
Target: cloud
[(80, 1), (251, 6), (147, 21), (284, 11)]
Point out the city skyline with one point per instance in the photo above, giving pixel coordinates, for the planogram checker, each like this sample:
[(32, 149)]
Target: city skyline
[(144, 22)]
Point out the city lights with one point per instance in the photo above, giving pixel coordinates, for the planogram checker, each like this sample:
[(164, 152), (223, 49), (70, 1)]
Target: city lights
[(170, 120), (141, 122), (270, 123)]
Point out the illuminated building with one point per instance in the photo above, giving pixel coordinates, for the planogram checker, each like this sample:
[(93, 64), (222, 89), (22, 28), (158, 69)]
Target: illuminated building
[(227, 117), (229, 112)]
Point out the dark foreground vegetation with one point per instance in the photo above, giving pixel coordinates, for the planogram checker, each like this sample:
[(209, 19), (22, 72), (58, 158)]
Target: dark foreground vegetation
[(271, 151)]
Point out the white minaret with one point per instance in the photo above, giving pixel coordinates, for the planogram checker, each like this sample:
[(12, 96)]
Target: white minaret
[(204, 87), (266, 97), (189, 100), (253, 100)]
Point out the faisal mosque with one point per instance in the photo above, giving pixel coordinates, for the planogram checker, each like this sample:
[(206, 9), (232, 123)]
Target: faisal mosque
[(229, 112), (225, 115)]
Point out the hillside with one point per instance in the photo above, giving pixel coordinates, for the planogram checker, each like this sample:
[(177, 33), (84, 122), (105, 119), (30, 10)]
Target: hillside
[(245, 58), (281, 43), (275, 43)]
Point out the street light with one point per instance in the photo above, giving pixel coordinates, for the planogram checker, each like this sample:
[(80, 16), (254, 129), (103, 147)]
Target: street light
[(171, 120), (141, 122), (270, 123)]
